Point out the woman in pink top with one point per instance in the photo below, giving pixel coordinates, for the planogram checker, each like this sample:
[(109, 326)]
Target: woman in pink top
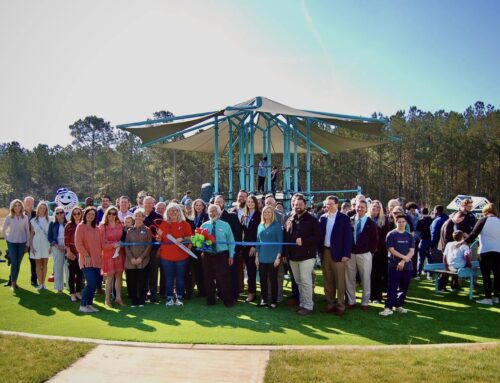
[(89, 246), (112, 259)]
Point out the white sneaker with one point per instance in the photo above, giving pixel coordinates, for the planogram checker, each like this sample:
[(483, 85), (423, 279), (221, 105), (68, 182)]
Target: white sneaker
[(39, 287), (429, 277), (178, 302), (132, 305), (44, 287), (495, 300), (170, 302), (417, 278), (486, 301), (92, 309), (401, 310), (84, 309), (386, 312), (376, 302)]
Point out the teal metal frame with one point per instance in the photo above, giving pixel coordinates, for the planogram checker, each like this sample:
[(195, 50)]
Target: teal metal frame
[(242, 128)]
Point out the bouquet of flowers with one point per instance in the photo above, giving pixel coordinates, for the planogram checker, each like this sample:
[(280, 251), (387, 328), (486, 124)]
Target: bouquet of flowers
[(202, 240)]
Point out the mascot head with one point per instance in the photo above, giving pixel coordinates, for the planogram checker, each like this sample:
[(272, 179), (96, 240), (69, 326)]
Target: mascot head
[(67, 200)]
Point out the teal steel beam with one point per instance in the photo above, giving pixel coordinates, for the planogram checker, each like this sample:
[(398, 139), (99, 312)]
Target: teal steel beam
[(295, 155), (252, 154), (308, 158), (230, 160), (349, 117), (216, 156)]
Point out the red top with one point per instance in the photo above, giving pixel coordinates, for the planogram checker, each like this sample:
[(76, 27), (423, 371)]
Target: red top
[(177, 230)]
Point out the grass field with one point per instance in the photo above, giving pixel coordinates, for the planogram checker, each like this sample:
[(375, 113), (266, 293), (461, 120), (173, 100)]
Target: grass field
[(433, 318), (26, 360), (422, 365)]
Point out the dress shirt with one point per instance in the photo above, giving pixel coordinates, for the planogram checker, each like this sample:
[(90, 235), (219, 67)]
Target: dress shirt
[(329, 227), (363, 221)]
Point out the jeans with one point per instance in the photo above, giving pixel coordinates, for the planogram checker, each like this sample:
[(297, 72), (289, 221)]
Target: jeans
[(174, 271), (423, 253), (92, 275), (16, 253), (397, 286)]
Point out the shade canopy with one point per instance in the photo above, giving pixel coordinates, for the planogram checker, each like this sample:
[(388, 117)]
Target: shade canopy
[(196, 132)]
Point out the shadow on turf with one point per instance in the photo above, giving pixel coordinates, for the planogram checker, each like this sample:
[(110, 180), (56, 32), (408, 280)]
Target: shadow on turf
[(433, 318)]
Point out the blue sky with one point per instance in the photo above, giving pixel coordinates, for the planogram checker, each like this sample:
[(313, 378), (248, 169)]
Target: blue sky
[(123, 60)]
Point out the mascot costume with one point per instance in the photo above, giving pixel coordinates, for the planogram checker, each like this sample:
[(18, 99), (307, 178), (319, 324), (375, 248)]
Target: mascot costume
[(66, 199)]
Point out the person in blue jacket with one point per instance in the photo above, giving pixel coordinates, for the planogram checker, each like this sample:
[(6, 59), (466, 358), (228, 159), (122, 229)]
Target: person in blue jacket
[(440, 217), (268, 257)]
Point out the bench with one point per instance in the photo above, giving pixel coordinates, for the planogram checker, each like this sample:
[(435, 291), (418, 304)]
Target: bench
[(464, 273)]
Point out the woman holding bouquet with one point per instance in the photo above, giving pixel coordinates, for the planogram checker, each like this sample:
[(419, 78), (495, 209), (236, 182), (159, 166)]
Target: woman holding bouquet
[(198, 217)]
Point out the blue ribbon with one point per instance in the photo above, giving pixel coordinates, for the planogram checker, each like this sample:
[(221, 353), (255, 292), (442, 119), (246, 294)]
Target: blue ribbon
[(218, 243)]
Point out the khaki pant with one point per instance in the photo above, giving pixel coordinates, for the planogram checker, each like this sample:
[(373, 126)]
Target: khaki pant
[(363, 264), (333, 281), (302, 272)]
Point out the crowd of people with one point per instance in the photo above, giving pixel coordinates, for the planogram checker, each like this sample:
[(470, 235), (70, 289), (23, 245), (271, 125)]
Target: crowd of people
[(380, 248)]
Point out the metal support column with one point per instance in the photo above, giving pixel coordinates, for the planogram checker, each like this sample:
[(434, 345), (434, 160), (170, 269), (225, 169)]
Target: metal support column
[(241, 141), (252, 154), (308, 160), (216, 156), (295, 155), (269, 159), (230, 160)]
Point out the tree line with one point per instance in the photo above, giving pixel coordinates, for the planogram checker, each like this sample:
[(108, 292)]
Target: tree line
[(438, 156)]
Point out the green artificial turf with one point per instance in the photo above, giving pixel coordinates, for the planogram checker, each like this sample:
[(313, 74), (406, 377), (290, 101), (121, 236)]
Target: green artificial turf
[(433, 318), (36, 360)]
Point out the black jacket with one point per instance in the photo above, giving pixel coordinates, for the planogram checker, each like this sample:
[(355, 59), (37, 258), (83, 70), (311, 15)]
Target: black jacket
[(368, 239), (308, 229)]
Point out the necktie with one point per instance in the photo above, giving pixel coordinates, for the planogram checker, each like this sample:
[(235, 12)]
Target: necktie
[(358, 230)]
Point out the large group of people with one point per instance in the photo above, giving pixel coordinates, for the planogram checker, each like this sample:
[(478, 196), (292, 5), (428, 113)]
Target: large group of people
[(380, 248)]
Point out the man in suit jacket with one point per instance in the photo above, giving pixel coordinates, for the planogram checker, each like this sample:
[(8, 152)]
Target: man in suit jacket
[(365, 244), (335, 248)]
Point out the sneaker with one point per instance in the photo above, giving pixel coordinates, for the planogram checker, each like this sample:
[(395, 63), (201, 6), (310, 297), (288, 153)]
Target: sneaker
[(178, 302), (401, 310), (170, 302), (39, 287), (386, 312), (132, 305), (92, 309), (376, 302), (141, 305), (44, 287), (417, 278), (84, 309), (495, 300), (486, 301), (429, 277)]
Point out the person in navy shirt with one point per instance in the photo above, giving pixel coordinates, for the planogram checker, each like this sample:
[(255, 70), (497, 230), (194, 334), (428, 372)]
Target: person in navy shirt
[(401, 247)]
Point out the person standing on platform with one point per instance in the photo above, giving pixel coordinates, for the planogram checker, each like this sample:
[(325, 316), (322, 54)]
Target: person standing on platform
[(261, 172), (335, 249)]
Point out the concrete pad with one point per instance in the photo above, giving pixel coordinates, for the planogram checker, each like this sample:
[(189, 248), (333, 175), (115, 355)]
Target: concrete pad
[(112, 364)]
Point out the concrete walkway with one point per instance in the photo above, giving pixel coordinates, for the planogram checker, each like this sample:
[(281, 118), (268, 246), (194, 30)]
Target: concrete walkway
[(120, 364)]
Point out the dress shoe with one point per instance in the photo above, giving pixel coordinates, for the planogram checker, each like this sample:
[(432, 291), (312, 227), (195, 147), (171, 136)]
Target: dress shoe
[(364, 307), (339, 313), (351, 306), (304, 312), (292, 302)]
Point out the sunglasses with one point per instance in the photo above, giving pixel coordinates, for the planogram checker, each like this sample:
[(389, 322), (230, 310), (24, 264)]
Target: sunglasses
[(59, 213), (77, 213), (112, 213)]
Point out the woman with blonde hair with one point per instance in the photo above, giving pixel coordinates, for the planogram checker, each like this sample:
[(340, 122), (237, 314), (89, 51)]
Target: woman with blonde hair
[(174, 260), (379, 260), (56, 240), (268, 257), (250, 221), (39, 243), (113, 260), (16, 232)]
